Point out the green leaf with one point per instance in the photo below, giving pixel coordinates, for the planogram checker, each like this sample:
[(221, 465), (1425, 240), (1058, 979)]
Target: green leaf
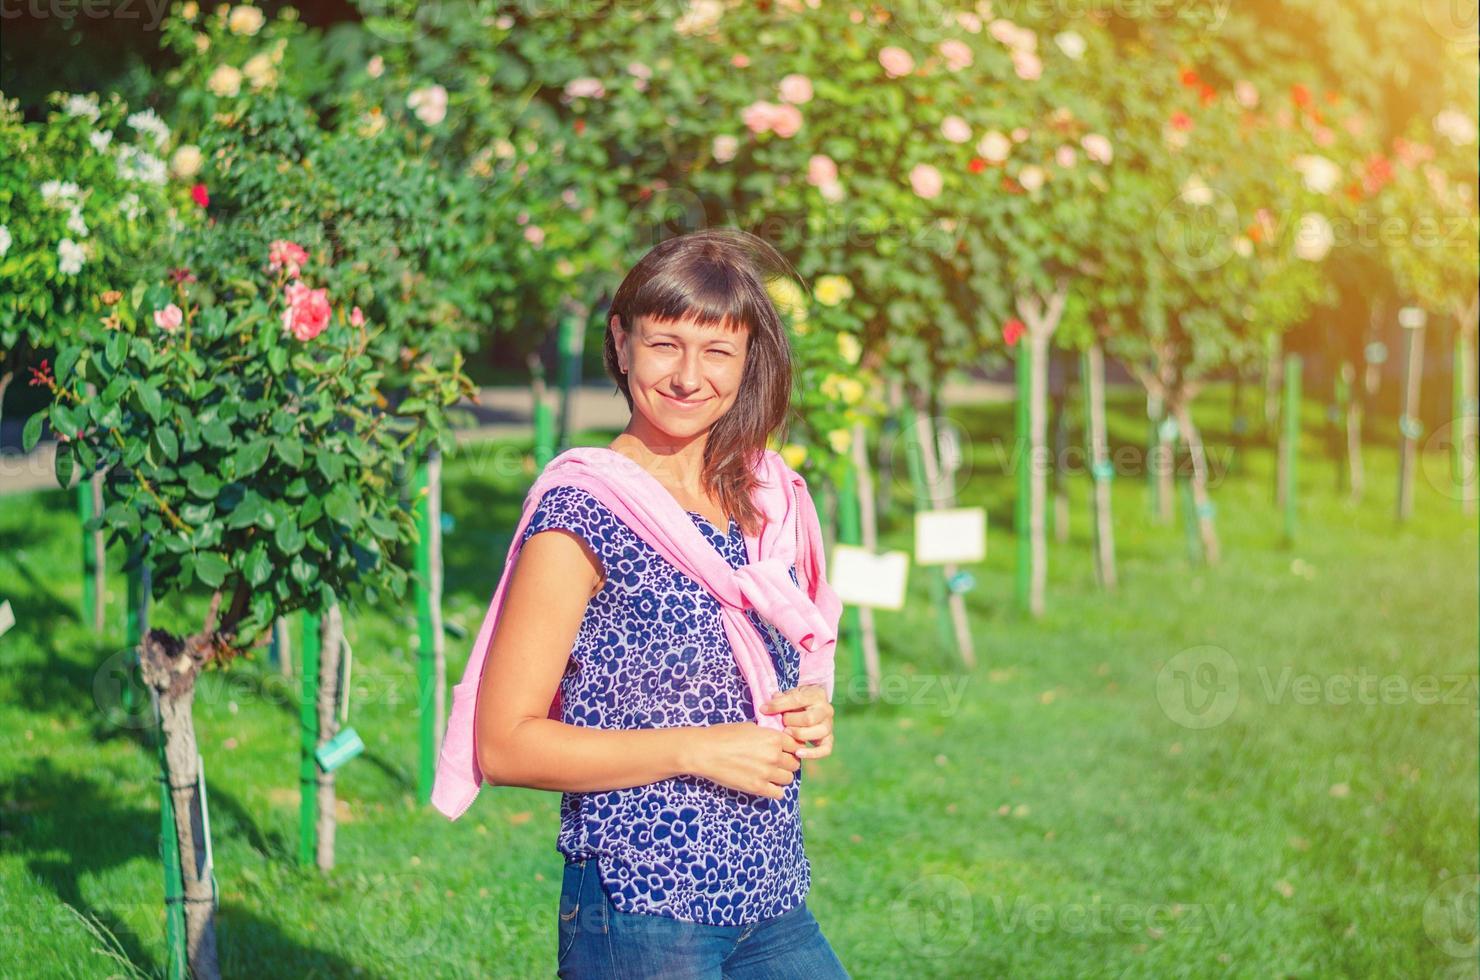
[(150, 399), (167, 443), (216, 433), (248, 511), (342, 506), (289, 450), (204, 485), (288, 538), (32, 432), (258, 566), (197, 514), (211, 568), (249, 458)]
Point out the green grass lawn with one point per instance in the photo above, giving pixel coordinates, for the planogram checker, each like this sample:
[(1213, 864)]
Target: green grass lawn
[(1058, 812)]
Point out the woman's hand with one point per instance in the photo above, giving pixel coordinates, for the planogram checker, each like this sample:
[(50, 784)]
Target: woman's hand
[(808, 717), (742, 755)]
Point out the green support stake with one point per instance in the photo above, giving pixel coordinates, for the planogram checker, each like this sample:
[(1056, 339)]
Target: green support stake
[(133, 632), (1024, 573), (174, 885), (939, 595), (1292, 441), (426, 643), (1153, 453), (89, 559), (1458, 412), (308, 719), (544, 419), (572, 343), (850, 531), (1189, 524)]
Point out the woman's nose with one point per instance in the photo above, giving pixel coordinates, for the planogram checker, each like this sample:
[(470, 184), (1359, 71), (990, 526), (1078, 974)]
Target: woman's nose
[(690, 372)]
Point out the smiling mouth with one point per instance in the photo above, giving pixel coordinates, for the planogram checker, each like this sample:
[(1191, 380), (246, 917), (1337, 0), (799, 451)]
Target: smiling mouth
[(683, 403)]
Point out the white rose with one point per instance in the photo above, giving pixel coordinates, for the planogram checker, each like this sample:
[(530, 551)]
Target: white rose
[(1314, 238), (70, 257), (245, 20), (725, 148)]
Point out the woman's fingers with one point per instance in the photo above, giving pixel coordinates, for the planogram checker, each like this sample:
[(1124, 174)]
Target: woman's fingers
[(823, 748), (811, 733)]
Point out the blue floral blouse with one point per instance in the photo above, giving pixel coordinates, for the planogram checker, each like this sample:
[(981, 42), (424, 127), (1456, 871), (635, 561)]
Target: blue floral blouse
[(652, 652)]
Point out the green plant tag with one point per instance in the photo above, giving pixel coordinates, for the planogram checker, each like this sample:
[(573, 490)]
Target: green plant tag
[(339, 750)]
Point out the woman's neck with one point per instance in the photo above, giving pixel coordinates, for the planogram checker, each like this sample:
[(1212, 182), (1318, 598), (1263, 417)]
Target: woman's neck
[(676, 463)]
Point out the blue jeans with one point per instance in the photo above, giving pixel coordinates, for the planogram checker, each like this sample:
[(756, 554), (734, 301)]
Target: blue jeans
[(597, 942)]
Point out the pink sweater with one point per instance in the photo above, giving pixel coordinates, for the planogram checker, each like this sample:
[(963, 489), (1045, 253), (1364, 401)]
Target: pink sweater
[(791, 535)]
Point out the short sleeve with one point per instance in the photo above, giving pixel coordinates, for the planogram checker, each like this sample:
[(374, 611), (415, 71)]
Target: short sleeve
[(568, 508)]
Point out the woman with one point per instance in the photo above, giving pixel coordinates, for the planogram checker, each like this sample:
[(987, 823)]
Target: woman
[(680, 823)]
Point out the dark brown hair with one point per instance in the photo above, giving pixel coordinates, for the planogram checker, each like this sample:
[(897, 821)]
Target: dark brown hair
[(718, 277)]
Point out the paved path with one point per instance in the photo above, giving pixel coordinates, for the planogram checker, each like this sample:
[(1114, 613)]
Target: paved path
[(501, 413)]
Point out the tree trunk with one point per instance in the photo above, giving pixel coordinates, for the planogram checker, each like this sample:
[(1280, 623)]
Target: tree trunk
[(888, 439), (331, 641), (169, 666), (1200, 498), (868, 522), (1412, 392), (284, 639), (1356, 478), (1041, 316), (1274, 379), (1037, 500), (925, 432), (1100, 467), (1164, 460)]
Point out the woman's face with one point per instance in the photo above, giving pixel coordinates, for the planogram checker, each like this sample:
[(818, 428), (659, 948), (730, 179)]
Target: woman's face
[(683, 377)]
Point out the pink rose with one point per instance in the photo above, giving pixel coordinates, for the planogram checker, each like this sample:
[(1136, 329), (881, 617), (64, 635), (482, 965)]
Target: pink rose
[(796, 89), (1097, 148), (535, 235), (308, 311), (897, 62), (925, 180), (787, 121), (955, 129), (1027, 65), (1066, 157), (283, 254), (757, 117), (356, 317), (169, 318), (821, 170), (956, 53)]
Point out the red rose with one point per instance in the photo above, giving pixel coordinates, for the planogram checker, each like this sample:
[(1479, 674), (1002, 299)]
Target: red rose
[(1207, 95), (1189, 78), (1012, 330), (1182, 121), (199, 195), (1300, 94), (977, 165)]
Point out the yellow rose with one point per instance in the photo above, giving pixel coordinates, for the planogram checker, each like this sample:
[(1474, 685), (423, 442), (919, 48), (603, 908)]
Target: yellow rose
[(832, 290), (190, 10), (225, 81), (842, 389), (244, 20), (259, 70), (840, 440), (202, 43), (794, 455), (788, 299), (186, 161), (849, 348)]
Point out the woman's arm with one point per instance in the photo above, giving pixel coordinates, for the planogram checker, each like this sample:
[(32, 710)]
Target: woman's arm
[(519, 745)]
